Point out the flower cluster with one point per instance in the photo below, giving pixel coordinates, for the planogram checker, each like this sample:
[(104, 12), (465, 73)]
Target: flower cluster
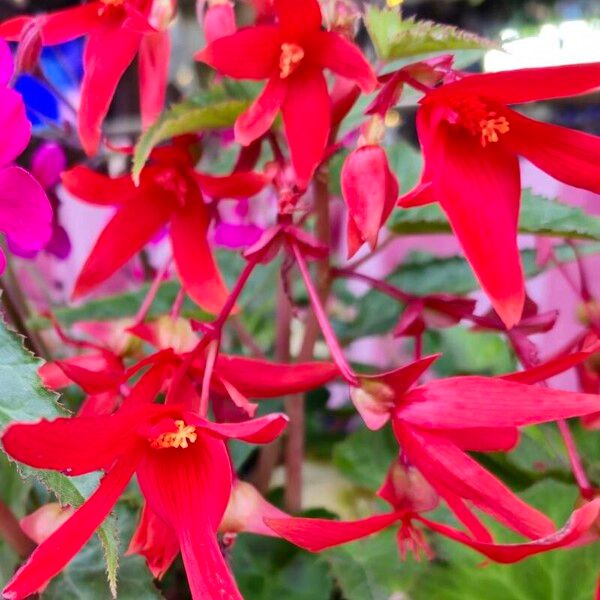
[(166, 387)]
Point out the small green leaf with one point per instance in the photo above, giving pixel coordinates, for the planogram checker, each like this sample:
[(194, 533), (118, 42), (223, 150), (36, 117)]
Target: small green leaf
[(186, 117), (395, 37), (539, 215), (24, 398)]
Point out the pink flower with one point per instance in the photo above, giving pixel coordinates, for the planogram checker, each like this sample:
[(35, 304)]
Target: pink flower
[(25, 213)]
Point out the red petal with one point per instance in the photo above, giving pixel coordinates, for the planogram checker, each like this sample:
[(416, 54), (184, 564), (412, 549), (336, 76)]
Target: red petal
[(526, 85), (318, 534), (53, 555), (257, 119), (54, 376), (101, 77), (332, 51), (251, 53), (94, 381), (258, 378), (196, 266), (298, 18), (471, 180), (403, 378), (370, 190), (440, 461), (580, 521), (73, 445), (483, 439), (307, 138), (566, 154), (153, 64), (156, 542), (236, 185), (189, 490), (95, 188), (459, 402), (256, 431), (132, 227), (465, 515), (239, 399)]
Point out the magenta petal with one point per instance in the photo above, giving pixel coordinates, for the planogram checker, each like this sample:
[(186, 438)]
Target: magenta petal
[(16, 129), (7, 66), (25, 212), (47, 164)]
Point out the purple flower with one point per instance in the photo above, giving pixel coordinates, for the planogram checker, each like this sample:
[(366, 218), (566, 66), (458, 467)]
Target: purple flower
[(25, 212)]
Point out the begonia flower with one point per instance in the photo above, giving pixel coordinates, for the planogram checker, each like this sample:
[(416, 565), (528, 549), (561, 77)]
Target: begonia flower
[(170, 193), (471, 142), (291, 55), (25, 213), (126, 27), (409, 495), (182, 467)]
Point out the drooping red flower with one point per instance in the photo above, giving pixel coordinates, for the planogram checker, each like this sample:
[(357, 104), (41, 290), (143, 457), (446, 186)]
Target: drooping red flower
[(291, 55), (471, 142), (183, 470), (122, 28), (437, 422), (410, 495), (370, 190), (170, 193)]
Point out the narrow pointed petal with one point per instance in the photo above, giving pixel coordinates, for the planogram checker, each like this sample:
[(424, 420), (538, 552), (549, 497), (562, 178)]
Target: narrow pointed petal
[(189, 490), (307, 138), (258, 118), (25, 211), (101, 77), (154, 56), (552, 367), (55, 553), (257, 378), (96, 188), (483, 439), (250, 53), (53, 376), (298, 18), (403, 378), (262, 430), (195, 263), (334, 52), (239, 399), (456, 402), (156, 542), (236, 185), (563, 153), (465, 515), (472, 180), (57, 27), (73, 445), (441, 462), (132, 227), (527, 85), (578, 524), (94, 381), (318, 534)]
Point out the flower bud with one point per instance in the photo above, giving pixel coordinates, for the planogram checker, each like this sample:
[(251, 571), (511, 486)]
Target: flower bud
[(30, 47), (218, 20), (43, 522)]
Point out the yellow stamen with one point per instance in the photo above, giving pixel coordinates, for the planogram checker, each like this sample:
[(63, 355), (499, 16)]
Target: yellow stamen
[(182, 438), (291, 55), (491, 127)]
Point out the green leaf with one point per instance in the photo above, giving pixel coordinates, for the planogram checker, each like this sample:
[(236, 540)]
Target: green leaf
[(24, 398), (186, 117), (539, 215), (395, 37), (267, 568)]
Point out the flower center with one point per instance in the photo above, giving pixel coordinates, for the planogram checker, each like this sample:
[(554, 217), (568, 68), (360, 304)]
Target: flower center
[(289, 60), (182, 438), (477, 117)]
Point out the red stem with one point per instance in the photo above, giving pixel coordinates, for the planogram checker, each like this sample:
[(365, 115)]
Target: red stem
[(152, 291)]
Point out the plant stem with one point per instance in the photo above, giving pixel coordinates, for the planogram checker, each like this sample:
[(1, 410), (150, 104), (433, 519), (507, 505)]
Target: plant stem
[(12, 534)]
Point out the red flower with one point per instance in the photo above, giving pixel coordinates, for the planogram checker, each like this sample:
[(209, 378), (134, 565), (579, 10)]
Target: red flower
[(370, 190), (170, 192), (435, 423), (409, 495), (121, 29), (292, 56), (471, 142), (183, 470)]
